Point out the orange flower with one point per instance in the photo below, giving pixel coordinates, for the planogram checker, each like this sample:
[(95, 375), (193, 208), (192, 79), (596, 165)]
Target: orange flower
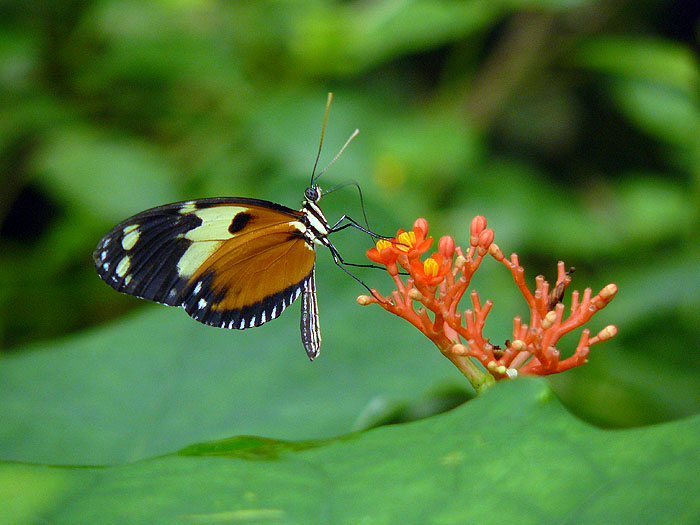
[(432, 271), (414, 243), (384, 253), (429, 299)]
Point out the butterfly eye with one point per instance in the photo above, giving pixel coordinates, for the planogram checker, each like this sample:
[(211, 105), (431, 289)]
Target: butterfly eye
[(312, 193)]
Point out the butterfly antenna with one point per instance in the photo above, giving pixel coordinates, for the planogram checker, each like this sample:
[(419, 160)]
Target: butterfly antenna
[(329, 99), (347, 142)]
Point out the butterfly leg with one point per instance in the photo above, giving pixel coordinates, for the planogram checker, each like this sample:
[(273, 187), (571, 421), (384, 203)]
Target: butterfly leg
[(353, 223), (340, 262)]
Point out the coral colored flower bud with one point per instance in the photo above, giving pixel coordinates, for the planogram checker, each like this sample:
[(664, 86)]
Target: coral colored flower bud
[(486, 238), (477, 226), (496, 252), (364, 300), (549, 319), (608, 291), (415, 294), (518, 345), (447, 246), (608, 332), (421, 224), (459, 349)]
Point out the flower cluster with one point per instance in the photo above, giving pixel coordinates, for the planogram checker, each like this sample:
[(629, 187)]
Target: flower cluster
[(438, 283)]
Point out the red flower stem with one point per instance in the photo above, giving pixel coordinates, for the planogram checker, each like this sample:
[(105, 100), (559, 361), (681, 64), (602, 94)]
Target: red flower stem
[(519, 278)]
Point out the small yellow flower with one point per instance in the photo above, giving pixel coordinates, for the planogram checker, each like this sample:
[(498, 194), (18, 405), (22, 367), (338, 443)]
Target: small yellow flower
[(431, 267), (407, 240), (383, 253), (383, 244)]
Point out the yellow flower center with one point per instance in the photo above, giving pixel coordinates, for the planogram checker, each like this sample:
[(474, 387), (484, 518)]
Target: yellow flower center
[(431, 267), (406, 241), (383, 244)]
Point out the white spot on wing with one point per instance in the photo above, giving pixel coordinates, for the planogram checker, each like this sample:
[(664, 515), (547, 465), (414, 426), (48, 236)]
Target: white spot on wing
[(131, 236), (273, 314), (127, 279), (201, 304), (103, 255), (105, 266), (123, 266), (198, 288), (252, 322), (187, 207), (263, 318), (242, 324)]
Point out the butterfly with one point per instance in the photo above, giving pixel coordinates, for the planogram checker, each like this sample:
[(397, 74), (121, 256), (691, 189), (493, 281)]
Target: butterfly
[(230, 262)]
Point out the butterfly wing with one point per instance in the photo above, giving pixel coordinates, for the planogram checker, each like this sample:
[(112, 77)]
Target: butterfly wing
[(230, 262)]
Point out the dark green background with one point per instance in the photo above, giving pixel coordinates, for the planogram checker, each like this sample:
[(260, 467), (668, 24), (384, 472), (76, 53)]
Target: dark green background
[(573, 126)]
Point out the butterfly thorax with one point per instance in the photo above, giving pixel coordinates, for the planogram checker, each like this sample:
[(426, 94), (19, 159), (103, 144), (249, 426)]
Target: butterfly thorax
[(317, 227)]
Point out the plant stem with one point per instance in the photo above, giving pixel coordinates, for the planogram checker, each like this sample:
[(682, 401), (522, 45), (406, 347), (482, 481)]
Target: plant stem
[(481, 381)]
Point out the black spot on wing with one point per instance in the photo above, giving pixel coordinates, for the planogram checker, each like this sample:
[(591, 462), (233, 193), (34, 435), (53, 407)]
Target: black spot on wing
[(152, 271), (239, 222), (201, 305)]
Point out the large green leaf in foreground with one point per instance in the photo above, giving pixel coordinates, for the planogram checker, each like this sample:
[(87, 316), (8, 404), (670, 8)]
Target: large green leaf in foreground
[(156, 381), (514, 455)]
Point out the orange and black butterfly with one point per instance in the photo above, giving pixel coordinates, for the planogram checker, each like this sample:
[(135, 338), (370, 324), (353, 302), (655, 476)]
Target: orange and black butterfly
[(230, 262)]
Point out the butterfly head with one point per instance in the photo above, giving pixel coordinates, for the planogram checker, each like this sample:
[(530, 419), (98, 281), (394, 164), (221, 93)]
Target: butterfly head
[(313, 193)]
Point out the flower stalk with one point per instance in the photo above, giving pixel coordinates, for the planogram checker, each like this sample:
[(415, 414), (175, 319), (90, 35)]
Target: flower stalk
[(430, 295)]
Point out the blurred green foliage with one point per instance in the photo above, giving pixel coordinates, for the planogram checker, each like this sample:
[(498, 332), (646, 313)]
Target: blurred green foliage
[(573, 126)]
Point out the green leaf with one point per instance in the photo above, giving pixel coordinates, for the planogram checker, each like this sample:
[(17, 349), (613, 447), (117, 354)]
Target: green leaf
[(352, 38), (108, 175), (654, 82), (157, 381), (514, 452), (666, 114), (649, 59)]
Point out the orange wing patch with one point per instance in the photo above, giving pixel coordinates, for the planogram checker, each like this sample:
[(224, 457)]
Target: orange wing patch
[(253, 275)]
